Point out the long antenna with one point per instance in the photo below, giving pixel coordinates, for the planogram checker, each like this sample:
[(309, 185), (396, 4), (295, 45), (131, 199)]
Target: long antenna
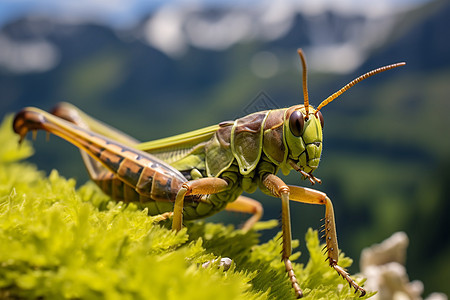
[(304, 80), (355, 81)]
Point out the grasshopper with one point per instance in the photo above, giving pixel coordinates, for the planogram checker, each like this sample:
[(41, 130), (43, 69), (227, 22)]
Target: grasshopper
[(199, 173)]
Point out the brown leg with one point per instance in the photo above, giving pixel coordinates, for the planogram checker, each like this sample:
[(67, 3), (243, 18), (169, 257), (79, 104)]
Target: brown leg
[(247, 205), (202, 186), (311, 196)]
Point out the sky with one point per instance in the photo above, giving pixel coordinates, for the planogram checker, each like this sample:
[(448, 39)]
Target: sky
[(123, 13)]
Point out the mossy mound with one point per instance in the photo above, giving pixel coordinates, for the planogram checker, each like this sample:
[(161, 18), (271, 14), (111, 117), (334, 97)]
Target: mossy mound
[(57, 241)]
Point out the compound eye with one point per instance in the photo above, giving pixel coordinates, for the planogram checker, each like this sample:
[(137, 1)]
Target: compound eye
[(297, 123), (319, 114)]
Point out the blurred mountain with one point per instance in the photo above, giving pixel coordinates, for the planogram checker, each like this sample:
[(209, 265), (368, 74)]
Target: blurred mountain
[(385, 162), (48, 58)]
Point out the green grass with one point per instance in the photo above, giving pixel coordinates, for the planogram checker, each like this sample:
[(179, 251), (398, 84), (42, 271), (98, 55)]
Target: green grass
[(57, 241)]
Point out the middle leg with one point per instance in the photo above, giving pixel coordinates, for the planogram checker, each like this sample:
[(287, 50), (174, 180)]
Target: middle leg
[(202, 186), (279, 189), (247, 205)]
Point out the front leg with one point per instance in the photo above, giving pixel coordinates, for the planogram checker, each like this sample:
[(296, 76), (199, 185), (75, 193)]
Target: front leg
[(311, 196), (279, 189)]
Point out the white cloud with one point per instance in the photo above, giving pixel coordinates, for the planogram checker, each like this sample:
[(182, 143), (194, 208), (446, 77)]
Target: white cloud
[(164, 31), (219, 33), (29, 56), (276, 18), (335, 58)]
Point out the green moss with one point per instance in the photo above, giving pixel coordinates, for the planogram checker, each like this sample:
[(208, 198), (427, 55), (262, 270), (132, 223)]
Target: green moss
[(57, 241)]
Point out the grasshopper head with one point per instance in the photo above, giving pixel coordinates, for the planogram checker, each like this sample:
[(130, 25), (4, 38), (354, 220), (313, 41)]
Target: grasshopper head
[(303, 125), (303, 134)]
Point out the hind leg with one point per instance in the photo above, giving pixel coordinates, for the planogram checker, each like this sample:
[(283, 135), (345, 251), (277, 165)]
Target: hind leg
[(70, 113)]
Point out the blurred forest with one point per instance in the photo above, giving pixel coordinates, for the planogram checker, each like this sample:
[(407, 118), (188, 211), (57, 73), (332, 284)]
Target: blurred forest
[(385, 162)]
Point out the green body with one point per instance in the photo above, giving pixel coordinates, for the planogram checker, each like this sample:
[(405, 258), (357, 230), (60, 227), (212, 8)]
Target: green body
[(239, 151), (242, 152)]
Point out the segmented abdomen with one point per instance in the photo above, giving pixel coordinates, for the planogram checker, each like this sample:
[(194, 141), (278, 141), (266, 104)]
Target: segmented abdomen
[(149, 184), (159, 198)]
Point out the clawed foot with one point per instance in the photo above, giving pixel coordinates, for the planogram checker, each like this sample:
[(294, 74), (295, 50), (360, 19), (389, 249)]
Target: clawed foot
[(341, 271), (293, 278)]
